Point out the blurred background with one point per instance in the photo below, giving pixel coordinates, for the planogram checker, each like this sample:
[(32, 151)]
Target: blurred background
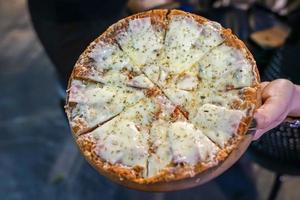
[(41, 40)]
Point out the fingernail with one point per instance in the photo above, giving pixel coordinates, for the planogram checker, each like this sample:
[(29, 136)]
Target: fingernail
[(257, 134), (253, 124)]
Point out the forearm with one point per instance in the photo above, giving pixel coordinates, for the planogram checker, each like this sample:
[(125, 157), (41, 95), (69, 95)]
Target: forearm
[(295, 107)]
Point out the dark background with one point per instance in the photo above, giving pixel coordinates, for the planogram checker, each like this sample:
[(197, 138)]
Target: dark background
[(38, 158)]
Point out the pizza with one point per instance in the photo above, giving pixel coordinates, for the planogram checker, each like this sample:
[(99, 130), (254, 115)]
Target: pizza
[(161, 96)]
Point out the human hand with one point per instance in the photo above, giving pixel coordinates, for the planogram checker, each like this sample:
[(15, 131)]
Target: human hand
[(280, 98)]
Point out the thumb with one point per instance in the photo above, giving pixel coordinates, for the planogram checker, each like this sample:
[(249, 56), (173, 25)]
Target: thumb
[(276, 98)]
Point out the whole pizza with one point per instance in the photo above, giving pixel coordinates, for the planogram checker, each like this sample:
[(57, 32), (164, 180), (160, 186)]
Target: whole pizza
[(161, 96)]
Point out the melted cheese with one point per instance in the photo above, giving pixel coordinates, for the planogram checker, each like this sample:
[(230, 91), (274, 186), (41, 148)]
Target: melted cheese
[(189, 145), (143, 112), (192, 67), (124, 139), (166, 106), (109, 65), (187, 82), (162, 153), (179, 142), (190, 100), (187, 41), (179, 97), (218, 123), (120, 141), (97, 103), (113, 77), (142, 42), (109, 56), (140, 81), (181, 36), (210, 37), (226, 66), (225, 99), (152, 71)]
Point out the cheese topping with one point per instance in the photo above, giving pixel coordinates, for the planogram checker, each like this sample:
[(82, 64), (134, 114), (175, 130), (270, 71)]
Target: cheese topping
[(97, 103), (218, 123), (162, 155), (140, 81), (120, 141), (152, 71), (226, 66), (124, 139), (180, 38), (196, 107), (179, 142), (141, 41), (189, 145), (187, 41), (167, 107), (108, 65), (187, 82), (109, 56), (229, 99), (179, 97)]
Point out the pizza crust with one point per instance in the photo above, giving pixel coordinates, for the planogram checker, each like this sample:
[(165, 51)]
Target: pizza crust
[(173, 171), (250, 100)]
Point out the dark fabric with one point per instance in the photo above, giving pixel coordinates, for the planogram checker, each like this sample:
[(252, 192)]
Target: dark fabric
[(290, 62), (66, 27), (70, 10)]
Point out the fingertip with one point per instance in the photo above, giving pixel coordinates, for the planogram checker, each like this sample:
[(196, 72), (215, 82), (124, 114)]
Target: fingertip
[(257, 134), (253, 124), (260, 118)]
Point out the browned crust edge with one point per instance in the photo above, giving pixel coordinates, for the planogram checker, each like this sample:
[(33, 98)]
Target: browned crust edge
[(121, 173), (158, 19), (177, 173), (233, 41), (229, 39), (197, 18), (116, 172), (252, 101), (251, 95), (84, 63)]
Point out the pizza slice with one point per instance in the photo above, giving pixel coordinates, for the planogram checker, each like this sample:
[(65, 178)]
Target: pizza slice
[(227, 68), (161, 96), (105, 62), (174, 144), (188, 39), (141, 36), (218, 123), (238, 99), (147, 140), (179, 149), (234, 103), (123, 141), (90, 104), (188, 100)]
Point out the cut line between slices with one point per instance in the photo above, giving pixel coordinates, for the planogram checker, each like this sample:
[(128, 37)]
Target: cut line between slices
[(181, 109)]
